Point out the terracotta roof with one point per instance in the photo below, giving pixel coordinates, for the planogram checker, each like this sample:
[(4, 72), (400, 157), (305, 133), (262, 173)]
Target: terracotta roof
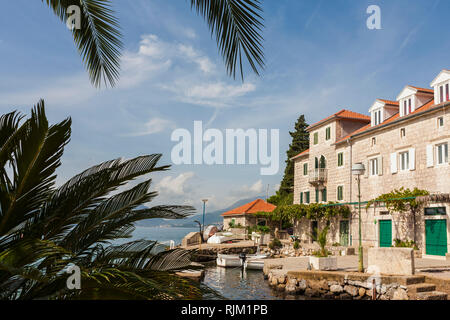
[(259, 205), (393, 103), (343, 114), (300, 154), (396, 116), (423, 89)]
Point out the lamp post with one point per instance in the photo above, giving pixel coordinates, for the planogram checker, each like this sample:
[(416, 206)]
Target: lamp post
[(204, 207), (358, 169)]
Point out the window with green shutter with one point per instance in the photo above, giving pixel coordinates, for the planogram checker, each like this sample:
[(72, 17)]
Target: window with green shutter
[(301, 197), (317, 195), (316, 138), (305, 169), (307, 196), (340, 193), (324, 195), (328, 133), (340, 159)]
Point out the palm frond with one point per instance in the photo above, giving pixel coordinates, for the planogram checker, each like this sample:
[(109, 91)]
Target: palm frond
[(98, 39), (237, 25)]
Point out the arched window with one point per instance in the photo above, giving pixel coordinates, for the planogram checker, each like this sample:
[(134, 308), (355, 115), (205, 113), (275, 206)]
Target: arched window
[(323, 162)]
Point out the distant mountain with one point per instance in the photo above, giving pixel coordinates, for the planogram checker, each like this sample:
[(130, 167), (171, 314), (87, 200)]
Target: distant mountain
[(213, 217)]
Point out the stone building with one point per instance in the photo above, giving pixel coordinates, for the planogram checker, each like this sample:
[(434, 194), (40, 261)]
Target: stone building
[(402, 143), (244, 216)]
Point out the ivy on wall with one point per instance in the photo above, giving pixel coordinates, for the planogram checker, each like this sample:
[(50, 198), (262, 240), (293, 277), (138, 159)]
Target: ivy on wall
[(313, 211)]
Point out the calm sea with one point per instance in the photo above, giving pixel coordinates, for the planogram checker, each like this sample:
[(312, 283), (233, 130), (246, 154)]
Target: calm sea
[(163, 235)]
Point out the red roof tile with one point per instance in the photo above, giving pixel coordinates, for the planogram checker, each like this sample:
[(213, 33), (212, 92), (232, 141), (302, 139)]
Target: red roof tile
[(343, 114), (300, 154), (423, 89), (396, 116), (259, 205), (393, 103)]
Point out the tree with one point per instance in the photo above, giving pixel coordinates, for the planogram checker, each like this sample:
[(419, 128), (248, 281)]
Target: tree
[(44, 230), (237, 25), (300, 143)]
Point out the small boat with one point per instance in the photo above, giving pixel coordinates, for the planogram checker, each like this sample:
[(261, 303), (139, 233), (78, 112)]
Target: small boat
[(252, 261)]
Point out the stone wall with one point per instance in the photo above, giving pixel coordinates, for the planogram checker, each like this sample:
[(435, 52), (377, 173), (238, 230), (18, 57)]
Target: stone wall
[(395, 261), (334, 285)]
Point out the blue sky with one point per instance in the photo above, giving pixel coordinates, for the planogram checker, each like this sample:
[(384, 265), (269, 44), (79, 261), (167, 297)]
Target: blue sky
[(320, 58)]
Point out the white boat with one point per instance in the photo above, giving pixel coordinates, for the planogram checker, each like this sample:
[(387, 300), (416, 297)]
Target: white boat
[(253, 261)]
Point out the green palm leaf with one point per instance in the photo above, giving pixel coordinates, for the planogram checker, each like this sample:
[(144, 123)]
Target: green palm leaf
[(98, 40), (237, 25)]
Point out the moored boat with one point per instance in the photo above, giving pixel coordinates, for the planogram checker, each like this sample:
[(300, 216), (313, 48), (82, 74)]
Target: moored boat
[(252, 261)]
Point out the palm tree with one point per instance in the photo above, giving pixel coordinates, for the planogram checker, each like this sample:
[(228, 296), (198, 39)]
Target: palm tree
[(46, 229), (236, 24)]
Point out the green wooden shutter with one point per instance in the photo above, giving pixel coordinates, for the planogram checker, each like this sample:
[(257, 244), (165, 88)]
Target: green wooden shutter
[(305, 169), (301, 197), (328, 133), (324, 195), (385, 233), (316, 138), (436, 237), (340, 192)]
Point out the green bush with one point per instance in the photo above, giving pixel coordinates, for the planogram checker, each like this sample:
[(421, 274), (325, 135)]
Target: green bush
[(275, 243), (405, 244), (296, 244)]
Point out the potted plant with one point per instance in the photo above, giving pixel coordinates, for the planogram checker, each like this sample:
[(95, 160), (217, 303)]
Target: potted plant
[(321, 259)]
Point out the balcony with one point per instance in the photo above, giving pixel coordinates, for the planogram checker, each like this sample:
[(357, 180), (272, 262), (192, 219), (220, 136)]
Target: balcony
[(317, 176)]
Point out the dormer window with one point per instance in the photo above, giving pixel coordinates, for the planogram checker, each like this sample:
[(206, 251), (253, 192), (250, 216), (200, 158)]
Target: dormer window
[(441, 85), (382, 110)]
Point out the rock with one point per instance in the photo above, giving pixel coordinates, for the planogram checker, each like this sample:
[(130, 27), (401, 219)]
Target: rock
[(292, 281), (323, 285), (345, 296), (291, 289), (362, 292), (400, 294), (336, 288), (328, 296), (311, 293), (281, 287), (274, 281), (282, 279), (353, 291), (330, 283), (302, 285)]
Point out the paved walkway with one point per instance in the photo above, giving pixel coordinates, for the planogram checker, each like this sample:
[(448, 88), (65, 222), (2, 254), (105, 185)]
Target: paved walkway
[(434, 267)]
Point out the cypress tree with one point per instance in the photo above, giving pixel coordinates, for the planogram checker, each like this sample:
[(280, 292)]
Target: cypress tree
[(300, 142)]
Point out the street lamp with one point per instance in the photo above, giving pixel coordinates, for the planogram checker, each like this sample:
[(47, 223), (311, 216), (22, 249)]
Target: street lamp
[(358, 169), (204, 206)]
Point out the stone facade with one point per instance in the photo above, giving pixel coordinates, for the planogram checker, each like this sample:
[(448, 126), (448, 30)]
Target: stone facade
[(415, 136)]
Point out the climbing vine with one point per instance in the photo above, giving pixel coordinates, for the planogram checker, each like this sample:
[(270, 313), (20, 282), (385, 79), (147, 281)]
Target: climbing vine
[(313, 211)]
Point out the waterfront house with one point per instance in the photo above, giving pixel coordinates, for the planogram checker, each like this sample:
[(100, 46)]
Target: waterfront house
[(244, 216), (402, 143)]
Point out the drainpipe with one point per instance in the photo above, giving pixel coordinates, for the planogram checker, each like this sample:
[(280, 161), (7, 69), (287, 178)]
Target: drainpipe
[(349, 143)]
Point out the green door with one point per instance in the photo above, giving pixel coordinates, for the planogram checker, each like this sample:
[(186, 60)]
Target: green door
[(343, 232), (436, 237), (385, 233)]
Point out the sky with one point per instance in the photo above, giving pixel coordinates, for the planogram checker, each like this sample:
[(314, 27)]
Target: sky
[(320, 58)]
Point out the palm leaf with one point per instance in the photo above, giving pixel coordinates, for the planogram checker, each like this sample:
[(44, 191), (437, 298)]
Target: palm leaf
[(98, 40), (237, 25)]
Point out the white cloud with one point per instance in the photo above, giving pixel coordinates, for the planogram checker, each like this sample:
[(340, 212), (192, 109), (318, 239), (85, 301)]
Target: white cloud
[(152, 126), (248, 191), (175, 185)]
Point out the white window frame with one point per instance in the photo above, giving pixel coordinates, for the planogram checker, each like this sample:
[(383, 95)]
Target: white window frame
[(372, 172), (444, 160), (400, 159)]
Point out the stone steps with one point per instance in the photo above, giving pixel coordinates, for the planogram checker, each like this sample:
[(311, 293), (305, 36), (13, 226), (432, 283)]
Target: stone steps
[(410, 280), (421, 287), (432, 295)]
